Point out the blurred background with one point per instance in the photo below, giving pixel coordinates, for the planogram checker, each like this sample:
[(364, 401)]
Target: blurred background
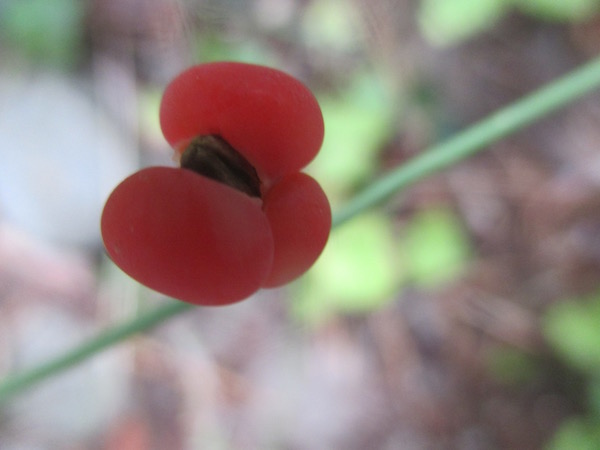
[(462, 314)]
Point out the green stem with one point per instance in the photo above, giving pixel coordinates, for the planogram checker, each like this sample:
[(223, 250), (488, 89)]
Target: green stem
[(476, 138), (19, 382), (500, 124)]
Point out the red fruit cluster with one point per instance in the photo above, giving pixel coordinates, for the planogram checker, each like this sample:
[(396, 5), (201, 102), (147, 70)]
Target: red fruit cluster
[(238, 215)]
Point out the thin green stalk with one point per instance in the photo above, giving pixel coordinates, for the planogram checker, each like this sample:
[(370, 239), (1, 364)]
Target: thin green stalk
[(29, 378), (476, 138)]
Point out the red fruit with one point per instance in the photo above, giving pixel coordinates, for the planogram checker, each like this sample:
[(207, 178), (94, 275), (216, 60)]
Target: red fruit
[(187, 236), (238, 215), (272, 119), (300, 219)]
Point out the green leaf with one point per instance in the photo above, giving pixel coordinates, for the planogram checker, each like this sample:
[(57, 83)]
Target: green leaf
[(573, 329), (357, 272), (214, 47), (47, 30), (437, 248), (357, 122), (332, 23), (576, 434), (446, 22)]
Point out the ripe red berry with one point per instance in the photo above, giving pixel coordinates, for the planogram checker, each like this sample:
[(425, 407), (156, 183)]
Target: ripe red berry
[(188, 236), (266, 115), (300, 219), (238, 215)]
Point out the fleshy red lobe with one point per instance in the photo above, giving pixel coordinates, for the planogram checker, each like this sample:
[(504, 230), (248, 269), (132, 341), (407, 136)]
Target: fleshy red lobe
[(300, 219), (265, 114), (187, 236)]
